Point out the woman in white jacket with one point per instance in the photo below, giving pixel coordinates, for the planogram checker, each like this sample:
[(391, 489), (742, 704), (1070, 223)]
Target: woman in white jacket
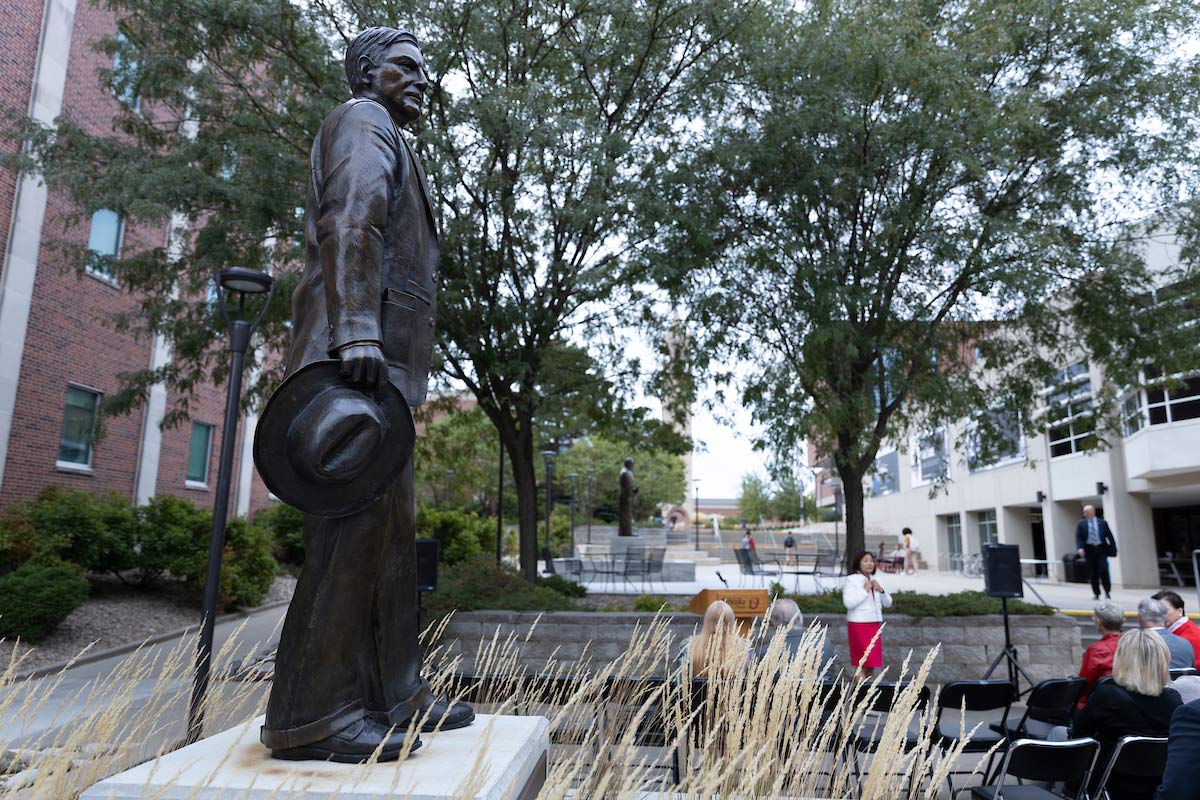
[(865, 600)]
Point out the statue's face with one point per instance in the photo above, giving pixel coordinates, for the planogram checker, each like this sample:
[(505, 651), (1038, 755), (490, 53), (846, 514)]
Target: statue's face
[(399, 81)]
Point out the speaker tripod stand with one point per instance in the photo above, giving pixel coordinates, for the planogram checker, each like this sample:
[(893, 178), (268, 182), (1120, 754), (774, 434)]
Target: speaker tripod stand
[(1009, 655)]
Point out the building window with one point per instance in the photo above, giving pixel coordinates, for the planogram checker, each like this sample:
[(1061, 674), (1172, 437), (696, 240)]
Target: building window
[(1070, 425), (78, 428), (886, 477), (104, 243), (124, 86), (1132, 415), (995, 439), (930, 458), (954, 545), (199, 452), (988, 532), (1164, 405)]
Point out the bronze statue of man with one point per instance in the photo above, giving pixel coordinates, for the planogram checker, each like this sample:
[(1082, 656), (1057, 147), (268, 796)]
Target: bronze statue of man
[(348, 668), (625, 498)]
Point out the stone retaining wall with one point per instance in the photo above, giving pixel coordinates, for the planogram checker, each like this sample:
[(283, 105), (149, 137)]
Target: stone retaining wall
[(1047, 646)]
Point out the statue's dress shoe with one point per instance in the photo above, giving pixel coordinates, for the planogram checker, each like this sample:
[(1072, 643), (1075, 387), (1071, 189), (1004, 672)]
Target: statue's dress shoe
[(433, 713), (354, 744)]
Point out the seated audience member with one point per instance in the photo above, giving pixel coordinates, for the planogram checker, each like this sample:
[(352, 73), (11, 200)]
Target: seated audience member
[(1098, 658), (1188, 687), (1178, 622), (1181, 779), (1152, 616), (785, 617), (717, 648), (1135, 702)]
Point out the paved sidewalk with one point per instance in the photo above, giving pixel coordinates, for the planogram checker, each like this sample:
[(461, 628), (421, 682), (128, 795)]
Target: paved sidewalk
[(66, 695)]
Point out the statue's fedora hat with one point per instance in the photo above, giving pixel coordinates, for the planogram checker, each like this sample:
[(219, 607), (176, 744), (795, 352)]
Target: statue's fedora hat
[(328, 448)]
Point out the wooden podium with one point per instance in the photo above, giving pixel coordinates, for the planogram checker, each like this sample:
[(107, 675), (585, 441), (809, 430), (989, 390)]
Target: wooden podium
[(748, 604)]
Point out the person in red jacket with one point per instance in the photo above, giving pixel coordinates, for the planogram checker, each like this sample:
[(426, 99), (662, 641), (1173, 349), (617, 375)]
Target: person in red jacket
[(1178, 622), (1098, 658)]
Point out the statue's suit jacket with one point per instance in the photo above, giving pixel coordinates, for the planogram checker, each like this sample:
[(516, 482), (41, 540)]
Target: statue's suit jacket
[(368, 205)]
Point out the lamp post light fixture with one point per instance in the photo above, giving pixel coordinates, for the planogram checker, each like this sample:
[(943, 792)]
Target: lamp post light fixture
[(448, 474), (241, 282), (548, 457)]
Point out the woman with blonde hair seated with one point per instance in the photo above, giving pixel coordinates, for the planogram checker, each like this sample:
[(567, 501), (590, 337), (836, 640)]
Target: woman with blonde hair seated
[(717, 647), (1135, 702)]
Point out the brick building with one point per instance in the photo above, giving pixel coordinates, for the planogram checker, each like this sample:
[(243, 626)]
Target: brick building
[(60, 354)]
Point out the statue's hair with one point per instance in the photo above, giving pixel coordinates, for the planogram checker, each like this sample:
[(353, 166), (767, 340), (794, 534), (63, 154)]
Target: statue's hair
[(371, 43)]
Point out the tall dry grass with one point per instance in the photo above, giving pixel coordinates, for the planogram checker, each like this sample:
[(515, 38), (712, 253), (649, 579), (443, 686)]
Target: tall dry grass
[(773, 727)]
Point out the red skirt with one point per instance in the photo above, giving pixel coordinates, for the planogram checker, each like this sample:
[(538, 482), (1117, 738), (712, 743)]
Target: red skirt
[(859, 636)]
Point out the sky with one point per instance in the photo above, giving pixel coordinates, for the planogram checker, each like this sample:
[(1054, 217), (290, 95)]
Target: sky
[(724, 452)]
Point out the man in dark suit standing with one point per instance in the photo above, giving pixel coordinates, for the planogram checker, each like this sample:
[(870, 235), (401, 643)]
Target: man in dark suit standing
[(1094, 541), (348, 667), (1181, 778)]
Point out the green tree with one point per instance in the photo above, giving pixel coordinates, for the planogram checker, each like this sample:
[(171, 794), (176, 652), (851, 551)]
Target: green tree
[(754, 503), (544, 124), (902, 182), (659, 475), (455, 459)]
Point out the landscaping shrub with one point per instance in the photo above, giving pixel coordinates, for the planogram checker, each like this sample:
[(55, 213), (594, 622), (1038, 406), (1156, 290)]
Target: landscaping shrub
[(37, 596), (16, 537), (482, 584), (286, 526), (959, 604), (564, 586), (649, 602), (174, 536), (94, 531), (463, 534), (248, 568)]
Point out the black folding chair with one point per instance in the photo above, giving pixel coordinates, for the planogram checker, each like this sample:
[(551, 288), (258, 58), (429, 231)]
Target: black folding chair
[(624, 699), (1135, 757), (1069, 762), (1049, 705), (633, 570), (870, 732), (971, 696), (655, 556), (1181, 672)]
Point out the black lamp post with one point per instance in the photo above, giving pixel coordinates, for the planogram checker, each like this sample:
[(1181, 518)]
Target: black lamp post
[(449, 474), (591, 474), (696, 511), (241, 282), (548, 457), (500, 505), (574, 477)]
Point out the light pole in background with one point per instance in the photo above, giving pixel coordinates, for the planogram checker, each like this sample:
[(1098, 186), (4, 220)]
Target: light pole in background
[(696, 510), (500, 503), (591, 475), (548, 457), (242, 283), (574, 477), (836, 484), (446, 499)]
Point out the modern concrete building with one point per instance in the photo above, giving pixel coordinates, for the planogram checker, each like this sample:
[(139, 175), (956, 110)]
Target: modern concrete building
[(1146, 482), (60, 354)]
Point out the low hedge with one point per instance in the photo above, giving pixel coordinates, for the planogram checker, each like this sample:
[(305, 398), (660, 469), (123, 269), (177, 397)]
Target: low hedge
[(480, 584), (916, 605), (37, 596)]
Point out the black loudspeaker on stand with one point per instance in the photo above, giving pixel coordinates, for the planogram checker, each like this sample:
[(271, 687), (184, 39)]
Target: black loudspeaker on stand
[(1002, 578), (428, 551)]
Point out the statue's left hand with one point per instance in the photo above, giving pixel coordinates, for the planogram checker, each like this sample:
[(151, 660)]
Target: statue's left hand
[(363, 364)]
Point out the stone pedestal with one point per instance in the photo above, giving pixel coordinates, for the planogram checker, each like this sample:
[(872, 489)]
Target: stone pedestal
[(497, 758)]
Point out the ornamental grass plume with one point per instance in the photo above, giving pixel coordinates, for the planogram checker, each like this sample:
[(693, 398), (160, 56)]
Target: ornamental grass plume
[(777, 727)]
